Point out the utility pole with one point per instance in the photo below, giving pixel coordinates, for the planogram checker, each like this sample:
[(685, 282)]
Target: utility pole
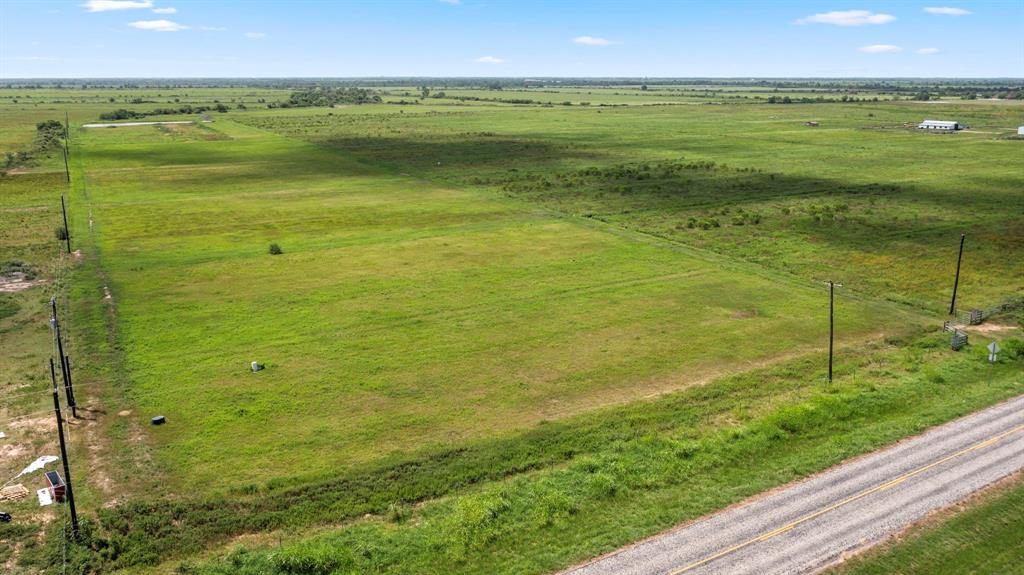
[(67, 230), (956, 282), (64, 453), (67, 151), (831, 323), (65, 363), (67, 172)]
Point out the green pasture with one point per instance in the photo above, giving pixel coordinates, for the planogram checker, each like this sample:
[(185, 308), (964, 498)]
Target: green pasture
[(403, 315), (890, 200)]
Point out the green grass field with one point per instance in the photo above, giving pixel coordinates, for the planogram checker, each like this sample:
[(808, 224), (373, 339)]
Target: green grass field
[(500, 338), (402, 315)]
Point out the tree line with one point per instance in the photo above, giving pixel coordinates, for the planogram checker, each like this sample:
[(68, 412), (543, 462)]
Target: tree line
[(124, 114), (320, 96)]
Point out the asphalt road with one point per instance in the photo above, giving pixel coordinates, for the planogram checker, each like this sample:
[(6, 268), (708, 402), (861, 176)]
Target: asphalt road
[(811, 524)]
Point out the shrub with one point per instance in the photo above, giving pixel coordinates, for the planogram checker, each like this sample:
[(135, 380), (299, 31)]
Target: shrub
[(61, 232), (275, 250)]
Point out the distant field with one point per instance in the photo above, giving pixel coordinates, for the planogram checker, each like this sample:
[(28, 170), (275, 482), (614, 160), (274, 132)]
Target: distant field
[(863, 197)]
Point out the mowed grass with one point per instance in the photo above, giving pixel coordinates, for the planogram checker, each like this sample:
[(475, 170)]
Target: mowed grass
[(903, 197), (985, 537), (403, 315)]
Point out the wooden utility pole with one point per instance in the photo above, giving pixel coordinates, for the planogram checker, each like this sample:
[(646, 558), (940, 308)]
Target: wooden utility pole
[(956, 281), (831, 323), (64, 453), (67, 230), (65, 362), (67, 171), (67, 151)]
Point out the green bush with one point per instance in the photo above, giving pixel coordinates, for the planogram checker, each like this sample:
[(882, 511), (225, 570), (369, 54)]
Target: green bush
[(275, 250)]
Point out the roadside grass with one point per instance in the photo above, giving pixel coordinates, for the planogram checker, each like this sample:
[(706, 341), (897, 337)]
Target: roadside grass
[(986, 536)]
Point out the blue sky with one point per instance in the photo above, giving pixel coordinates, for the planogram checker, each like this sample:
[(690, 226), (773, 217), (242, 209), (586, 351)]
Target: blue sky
[(174, 38)]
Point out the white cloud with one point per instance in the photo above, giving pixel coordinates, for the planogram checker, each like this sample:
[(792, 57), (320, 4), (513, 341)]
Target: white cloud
[(927, 51), (947, 11), (880, 49), (489, 60), (590, 41), (34, 58), (847, 18), (108, 5), (256, 35), (452, 2), (212, 28), (164, 10), (158, 25)]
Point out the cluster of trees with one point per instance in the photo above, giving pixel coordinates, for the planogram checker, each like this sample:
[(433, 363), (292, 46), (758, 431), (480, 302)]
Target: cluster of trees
[(320, 96), (49, 135), (123, 114), (818, 99)]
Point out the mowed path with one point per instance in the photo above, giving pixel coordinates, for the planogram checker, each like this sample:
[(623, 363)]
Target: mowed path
[(812, 524)]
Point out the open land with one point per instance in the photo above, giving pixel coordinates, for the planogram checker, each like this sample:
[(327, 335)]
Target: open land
[(502, 337)]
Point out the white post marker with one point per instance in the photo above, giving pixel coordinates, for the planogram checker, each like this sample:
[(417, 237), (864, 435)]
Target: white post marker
[(993, 349)]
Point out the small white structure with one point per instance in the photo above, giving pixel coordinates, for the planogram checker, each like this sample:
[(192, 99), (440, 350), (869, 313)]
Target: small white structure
[(939, 125), (1020, 131)]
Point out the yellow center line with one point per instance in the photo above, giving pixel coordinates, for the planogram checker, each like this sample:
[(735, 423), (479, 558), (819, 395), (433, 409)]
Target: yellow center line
[(882, 487)]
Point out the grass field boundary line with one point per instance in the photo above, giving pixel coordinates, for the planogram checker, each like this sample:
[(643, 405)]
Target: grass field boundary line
[(780, 276)]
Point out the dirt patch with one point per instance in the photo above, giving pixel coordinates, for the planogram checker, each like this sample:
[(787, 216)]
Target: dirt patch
[(743, 314), (124, 413), (92, 430), (16, 281), (10, 451), (40, 424), (990, 329)]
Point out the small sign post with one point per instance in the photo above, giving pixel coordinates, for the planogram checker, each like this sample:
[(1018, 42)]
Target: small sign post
[(993, 349)]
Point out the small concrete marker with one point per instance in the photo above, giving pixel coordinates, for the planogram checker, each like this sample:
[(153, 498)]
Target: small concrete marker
[(993, 349)]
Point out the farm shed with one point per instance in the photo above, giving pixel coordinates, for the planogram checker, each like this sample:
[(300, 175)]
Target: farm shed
[(939, 125)]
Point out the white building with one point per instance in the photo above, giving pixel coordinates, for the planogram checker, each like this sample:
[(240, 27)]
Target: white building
[(939, 125), (1020, 131)]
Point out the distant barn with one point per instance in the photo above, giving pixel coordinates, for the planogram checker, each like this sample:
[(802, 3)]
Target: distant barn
[(939, 125)]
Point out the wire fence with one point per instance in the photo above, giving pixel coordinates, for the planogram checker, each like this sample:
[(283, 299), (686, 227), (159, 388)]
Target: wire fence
[(976, 316)]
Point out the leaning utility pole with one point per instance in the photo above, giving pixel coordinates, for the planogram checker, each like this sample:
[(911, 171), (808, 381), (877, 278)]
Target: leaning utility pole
[(67, 172), (64, 453), (65, 362), (956, 282), (67, 230), (831, 323)]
